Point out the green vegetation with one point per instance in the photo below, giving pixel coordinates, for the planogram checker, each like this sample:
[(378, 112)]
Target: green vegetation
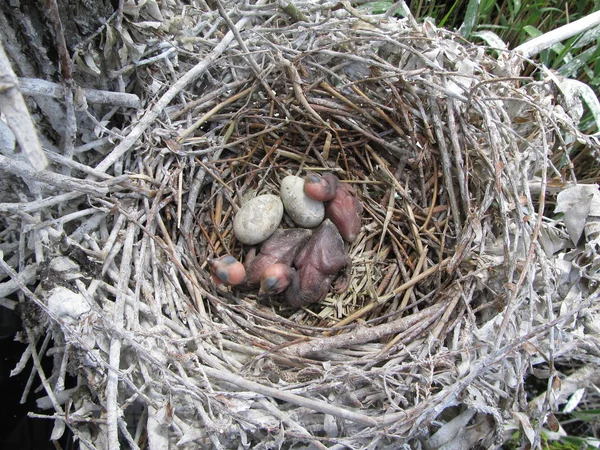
[(566, 443), (514, 22)]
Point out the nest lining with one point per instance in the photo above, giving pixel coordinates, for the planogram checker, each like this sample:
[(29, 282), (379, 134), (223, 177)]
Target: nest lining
[(453, 296)]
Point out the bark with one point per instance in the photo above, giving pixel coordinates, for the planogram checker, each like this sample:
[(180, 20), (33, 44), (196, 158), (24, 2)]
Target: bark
[(30, 41)]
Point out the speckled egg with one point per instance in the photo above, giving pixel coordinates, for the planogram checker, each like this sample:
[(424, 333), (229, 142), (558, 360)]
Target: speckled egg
[(303, 210), (258, 219)]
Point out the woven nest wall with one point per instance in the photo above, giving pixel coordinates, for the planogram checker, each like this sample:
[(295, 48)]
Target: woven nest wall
[(464, 280)]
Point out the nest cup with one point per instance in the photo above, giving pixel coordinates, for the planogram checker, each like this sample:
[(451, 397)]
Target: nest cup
[(450, 153)]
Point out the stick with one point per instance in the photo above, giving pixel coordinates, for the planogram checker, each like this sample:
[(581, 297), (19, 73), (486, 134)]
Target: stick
[(362, 335), (446, 161), (212, 112), (317, 405), (547, 40), (35, 86), (30, 207), (112, 386), (27, 275), (62, 182)]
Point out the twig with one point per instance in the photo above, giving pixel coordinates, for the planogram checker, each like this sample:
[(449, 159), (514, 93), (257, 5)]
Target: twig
[(35, 87), (361, 335), (288, 7), (30, 207), (416, 273), (421, 276), (234, 98), (54, 179), (27, 276), (61, 44), (206, 99), (446, 162), (388, 217), (297, 85), (65, 66), (24, 358), (580, 378), (68, 162), (40, 371), (285, 418), (433, 198), (113, 417), (385, 117), (317, 405)]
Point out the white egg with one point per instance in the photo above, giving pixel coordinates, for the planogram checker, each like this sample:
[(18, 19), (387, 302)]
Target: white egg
[(303, 210), (258, 219)]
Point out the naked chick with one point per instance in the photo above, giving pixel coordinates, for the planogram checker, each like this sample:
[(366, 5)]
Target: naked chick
[(319, 261), (342, 205)]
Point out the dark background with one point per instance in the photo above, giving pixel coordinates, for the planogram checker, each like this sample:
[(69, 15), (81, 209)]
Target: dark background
[(18, 430)]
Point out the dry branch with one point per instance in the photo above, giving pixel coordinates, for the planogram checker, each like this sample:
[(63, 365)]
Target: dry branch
[(33, 87), (25, 171), (538, 44), (363, 335)]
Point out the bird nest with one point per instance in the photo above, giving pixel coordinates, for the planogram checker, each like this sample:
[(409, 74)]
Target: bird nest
[(465, 280)]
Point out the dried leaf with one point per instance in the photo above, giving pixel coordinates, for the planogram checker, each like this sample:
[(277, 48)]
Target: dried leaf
[(570, 302), (556, 385), (575, 92), (58, 430), (552, 239), (450, 431), (22, 363), (90, 62), (172, 145), (574, 400), (82, 65), (595, 205), (525, 425), (553, 423), (67, 304), (153, 10), (592, 229), (131, 49), (491, 39), (158, 433), (575, 203), (330, 426), (261, 419), (148, 24), (146, 8), (530, 348), (111, 41), (133, 7)]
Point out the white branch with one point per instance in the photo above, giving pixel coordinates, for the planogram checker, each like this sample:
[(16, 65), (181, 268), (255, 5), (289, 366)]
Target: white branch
[(63, 182), (547, 40), (34, 87)]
